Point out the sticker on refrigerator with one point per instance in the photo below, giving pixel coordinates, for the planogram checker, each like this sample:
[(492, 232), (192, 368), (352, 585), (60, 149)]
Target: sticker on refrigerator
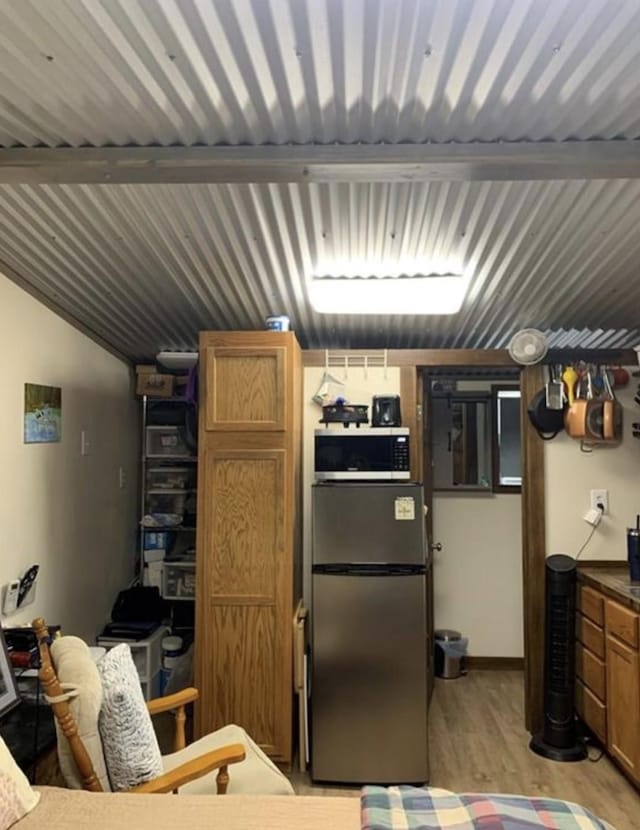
[(405, 509)]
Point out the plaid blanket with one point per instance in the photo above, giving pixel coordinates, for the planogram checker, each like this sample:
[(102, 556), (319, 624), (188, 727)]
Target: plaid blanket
[(412, 808)]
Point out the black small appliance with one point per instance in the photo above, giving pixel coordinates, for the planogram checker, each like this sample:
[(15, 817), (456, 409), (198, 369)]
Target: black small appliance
[(386, 411), (559, 740)]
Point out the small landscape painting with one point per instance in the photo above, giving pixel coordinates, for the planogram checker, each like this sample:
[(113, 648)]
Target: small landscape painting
[(42, 414)]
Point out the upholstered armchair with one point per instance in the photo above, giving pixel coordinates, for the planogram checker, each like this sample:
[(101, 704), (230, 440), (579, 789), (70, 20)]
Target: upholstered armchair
[(106, 739)]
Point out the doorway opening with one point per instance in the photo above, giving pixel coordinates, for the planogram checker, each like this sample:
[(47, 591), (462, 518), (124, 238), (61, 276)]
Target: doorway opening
[(473, 476)]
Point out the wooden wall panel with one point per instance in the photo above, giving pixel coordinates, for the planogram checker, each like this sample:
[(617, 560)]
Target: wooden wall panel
[(411, 403)]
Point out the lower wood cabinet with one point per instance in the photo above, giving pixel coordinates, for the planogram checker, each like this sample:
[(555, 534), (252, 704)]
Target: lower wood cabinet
[(608, 676), (623, 712), (591, 686)]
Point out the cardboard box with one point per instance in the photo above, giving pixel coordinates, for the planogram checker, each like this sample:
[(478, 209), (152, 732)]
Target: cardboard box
[(146, 369), (154, 385)]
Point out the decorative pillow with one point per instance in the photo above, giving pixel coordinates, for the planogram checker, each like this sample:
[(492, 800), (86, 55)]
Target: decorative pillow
[(77, 670), (16, 796), (130, 745)]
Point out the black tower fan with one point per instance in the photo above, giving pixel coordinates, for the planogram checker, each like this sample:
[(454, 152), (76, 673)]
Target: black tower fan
[(559, 740)]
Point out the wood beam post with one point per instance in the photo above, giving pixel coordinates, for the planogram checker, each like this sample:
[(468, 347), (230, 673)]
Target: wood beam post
[(533, 550)]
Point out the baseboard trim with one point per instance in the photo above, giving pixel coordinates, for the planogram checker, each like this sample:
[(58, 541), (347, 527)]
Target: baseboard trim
[(493, 663)]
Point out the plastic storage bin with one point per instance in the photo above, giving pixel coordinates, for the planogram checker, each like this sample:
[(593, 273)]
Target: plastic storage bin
[(166, 442), (169, 478), (179, 580), (166, 502)]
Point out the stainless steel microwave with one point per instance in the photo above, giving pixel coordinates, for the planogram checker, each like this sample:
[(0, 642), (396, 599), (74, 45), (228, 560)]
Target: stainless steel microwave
[(375, 454)]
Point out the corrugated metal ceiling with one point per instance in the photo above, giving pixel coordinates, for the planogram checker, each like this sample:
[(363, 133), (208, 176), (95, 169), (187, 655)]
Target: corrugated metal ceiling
[(185, 72), (148, 266)]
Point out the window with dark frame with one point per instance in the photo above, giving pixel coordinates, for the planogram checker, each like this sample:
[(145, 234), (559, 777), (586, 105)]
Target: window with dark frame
[(505, 434), (476, 440)]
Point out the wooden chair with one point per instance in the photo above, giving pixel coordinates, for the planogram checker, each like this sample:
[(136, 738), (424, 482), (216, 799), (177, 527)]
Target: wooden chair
[(169, 782)]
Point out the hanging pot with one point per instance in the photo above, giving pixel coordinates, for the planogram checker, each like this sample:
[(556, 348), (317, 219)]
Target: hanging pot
[(611, 414), (547, 422), (575, 419)]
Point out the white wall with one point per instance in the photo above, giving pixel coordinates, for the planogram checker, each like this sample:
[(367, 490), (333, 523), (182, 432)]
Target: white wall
[(478, 573), (58, 508), (360, 387), (571, 474)]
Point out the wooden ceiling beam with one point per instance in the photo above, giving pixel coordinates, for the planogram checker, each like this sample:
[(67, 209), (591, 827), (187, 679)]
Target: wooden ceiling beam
[(478, 161)]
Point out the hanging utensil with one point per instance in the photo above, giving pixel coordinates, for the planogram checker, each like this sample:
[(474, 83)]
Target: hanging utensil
[(554, 390), (570, 378)]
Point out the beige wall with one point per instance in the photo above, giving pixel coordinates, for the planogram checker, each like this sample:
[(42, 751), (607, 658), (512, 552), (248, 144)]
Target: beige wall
[(360, 386), (58, 508), (478, 573), (571, 474)]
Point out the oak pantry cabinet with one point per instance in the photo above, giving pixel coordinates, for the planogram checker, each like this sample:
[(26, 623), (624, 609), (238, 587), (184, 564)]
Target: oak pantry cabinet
[(248, 537)]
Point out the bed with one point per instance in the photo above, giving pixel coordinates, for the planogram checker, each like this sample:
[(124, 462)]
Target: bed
[(61, 809), (390, 809)]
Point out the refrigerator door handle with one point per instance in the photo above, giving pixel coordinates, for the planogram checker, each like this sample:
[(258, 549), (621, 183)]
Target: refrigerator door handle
[(363, 569)]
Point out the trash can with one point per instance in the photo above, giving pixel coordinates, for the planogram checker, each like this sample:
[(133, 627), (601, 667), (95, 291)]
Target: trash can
[(450, 653)]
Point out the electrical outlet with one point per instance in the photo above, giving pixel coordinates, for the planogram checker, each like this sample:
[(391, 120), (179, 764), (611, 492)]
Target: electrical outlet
[(600, 498), (122, 478), (84, 443)]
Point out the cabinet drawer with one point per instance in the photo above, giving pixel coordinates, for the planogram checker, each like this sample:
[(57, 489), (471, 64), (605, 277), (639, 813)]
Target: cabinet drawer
[(591, 670), (591, 603), (592, 711), (590, 635), (622, 623)]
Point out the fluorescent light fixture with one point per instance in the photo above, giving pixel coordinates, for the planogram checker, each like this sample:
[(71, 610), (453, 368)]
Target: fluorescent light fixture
[(177, 360), (420, 294)]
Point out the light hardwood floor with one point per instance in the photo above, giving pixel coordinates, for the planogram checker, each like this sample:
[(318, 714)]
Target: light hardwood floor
[(478, 744)]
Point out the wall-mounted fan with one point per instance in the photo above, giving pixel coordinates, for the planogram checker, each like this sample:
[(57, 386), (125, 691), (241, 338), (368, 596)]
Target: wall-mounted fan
[(528, 346)]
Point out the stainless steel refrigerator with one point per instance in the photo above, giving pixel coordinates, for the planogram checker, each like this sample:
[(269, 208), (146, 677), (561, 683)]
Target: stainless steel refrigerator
[(369, 639)]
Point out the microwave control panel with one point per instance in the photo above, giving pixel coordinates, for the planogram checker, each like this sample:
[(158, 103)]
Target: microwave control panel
[(401, 453)]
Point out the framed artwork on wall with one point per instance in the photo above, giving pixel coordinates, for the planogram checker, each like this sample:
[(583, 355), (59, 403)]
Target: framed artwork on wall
[(42, 414), (8, 690)]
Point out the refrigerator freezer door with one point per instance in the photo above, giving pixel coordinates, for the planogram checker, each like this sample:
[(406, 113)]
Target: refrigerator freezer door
[(368, 685), (381, 523)]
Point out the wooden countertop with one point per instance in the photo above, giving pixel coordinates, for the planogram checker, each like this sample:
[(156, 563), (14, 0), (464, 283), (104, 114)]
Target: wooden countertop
[(612, 580)]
